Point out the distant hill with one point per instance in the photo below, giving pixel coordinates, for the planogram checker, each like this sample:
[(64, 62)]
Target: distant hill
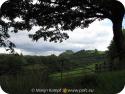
[(82, 57), (82, 53), (88, 53), (67, 52), (53, 63)]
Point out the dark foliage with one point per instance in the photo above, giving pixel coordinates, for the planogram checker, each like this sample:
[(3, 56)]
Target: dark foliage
[(112, 49), (113, 55), (54, 16), (10, 64)]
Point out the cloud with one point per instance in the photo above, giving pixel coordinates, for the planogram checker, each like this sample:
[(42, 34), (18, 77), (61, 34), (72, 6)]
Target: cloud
[(98, 35)]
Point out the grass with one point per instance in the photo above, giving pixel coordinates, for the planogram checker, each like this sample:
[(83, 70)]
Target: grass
[(70, 74), (103, 83), (110, 82), (77, 72), (23, 82)]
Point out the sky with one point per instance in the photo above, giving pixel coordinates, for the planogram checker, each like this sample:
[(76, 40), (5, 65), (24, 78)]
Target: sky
[(97, 36)]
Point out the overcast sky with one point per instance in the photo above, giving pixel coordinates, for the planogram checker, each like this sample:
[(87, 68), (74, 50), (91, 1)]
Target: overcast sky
[(97, 36)]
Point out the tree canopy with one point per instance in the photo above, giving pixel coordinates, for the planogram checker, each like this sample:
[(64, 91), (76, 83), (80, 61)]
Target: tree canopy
[(54, 16)]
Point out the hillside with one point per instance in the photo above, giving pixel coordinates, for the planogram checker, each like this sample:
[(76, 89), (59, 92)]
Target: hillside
[(68, 70), (69, 58), (83, 57)]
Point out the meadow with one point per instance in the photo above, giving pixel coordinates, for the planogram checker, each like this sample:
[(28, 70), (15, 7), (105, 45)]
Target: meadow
[(77, 72)]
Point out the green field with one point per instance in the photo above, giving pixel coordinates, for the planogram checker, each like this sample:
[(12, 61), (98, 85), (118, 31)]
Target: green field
[(19, 74), (102, 83), (75, 72)]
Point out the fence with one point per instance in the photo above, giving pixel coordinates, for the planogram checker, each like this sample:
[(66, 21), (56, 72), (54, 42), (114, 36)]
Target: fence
[(115, 64), (102, 67)]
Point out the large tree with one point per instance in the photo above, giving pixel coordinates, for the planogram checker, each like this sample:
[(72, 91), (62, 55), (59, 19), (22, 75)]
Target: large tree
[(54, 16)]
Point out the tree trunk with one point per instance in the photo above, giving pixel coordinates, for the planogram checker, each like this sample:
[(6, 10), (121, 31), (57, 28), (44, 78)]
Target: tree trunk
[(118, 38), (119, 41), (117, 12)]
